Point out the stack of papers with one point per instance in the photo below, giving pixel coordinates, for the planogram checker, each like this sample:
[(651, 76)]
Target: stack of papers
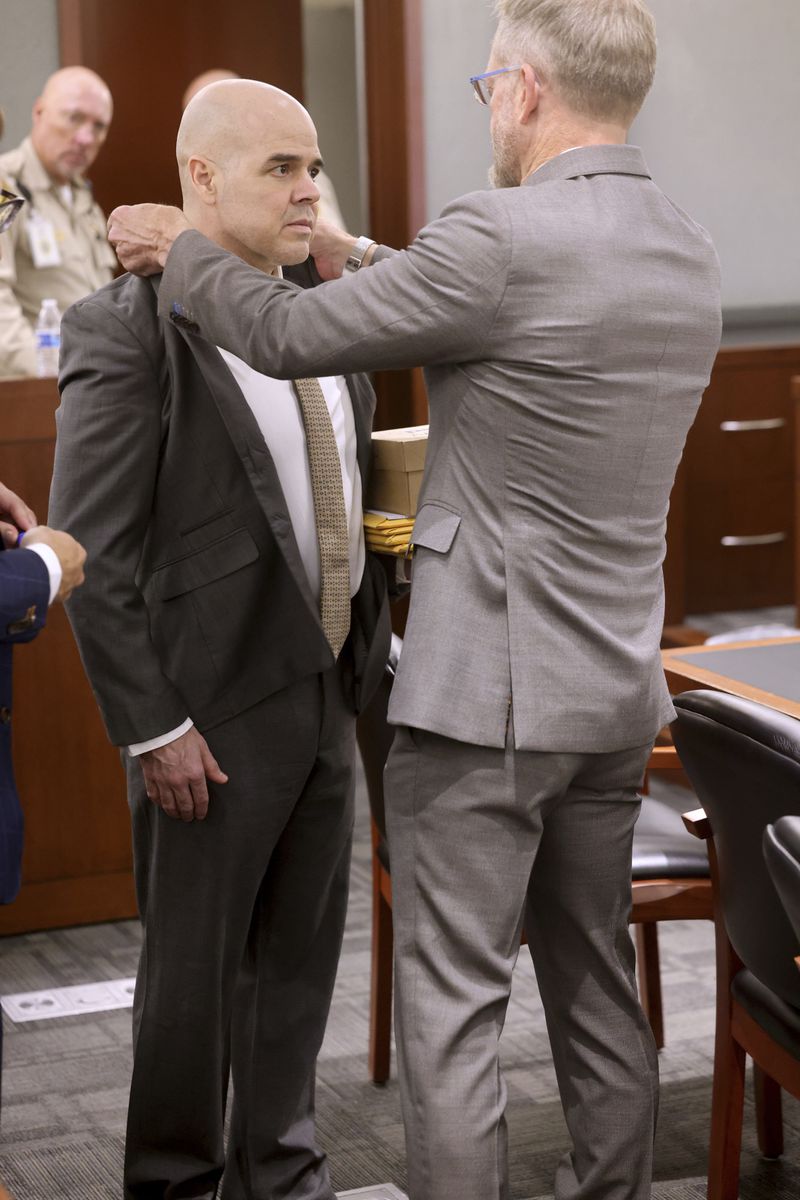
[(388, 533)]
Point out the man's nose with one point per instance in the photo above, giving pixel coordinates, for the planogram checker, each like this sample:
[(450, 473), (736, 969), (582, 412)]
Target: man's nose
[(85, 135), (307, 191)]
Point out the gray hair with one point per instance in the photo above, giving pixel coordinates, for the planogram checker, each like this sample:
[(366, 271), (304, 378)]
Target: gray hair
[(599, 55)]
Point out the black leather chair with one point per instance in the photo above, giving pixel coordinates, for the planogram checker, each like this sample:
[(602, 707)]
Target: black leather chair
[(670, 878), (782, 853), (744, 762)]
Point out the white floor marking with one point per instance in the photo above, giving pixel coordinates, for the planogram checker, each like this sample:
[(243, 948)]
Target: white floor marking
[(68, 1001), (378, 1191)]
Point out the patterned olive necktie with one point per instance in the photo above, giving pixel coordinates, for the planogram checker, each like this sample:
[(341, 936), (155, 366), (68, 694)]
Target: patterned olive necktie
[(329, 513)]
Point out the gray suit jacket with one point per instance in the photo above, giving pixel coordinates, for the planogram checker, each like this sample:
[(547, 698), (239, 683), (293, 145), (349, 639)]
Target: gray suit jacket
[(569, 327), (196, 602)]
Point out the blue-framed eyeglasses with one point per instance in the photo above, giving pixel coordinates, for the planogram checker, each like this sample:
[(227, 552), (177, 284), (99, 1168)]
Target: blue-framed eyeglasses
[(482, 93)]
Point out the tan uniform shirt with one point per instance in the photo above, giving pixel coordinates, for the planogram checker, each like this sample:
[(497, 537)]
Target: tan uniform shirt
[(71, 238)]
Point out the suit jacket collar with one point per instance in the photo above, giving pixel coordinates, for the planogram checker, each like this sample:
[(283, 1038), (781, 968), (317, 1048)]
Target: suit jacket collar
[(590, 160)]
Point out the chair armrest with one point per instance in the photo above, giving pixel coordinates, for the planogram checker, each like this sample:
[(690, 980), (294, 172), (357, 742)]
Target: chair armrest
[(698, 824)]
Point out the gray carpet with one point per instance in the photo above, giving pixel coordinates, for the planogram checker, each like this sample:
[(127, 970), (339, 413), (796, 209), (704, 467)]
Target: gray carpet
[(65, 1081)]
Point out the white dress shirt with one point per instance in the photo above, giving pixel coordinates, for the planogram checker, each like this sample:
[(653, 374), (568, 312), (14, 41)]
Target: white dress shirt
[(53, 564), (276, 408)]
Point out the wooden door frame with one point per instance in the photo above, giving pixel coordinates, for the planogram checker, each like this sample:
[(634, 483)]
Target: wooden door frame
[(394, 78)]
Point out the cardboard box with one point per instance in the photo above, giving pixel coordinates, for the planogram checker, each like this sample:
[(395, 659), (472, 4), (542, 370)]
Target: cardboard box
[(398, 460)]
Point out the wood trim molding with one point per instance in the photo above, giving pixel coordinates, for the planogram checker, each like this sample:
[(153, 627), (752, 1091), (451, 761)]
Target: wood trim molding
[(58, 903), (396, 166)]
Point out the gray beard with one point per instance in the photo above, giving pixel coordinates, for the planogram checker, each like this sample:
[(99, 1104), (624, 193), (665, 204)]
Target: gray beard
[(501, 178), (504, 171)]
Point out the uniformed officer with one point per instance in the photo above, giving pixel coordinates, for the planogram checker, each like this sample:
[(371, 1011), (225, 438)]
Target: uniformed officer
[(58, 248)]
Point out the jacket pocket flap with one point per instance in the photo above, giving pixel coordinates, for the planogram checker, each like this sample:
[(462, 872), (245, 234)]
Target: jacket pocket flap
[(214, 561), (435, 527)]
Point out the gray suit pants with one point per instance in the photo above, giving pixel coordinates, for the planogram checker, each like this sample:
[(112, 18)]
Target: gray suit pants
[(482, 840), (243, 916)]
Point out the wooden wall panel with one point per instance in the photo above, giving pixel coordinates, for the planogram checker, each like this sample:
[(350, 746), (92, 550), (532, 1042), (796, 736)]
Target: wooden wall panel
[(77, 861), (148, 51)]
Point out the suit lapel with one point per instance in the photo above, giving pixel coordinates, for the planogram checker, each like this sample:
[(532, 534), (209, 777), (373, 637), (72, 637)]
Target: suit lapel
[(256, 459)]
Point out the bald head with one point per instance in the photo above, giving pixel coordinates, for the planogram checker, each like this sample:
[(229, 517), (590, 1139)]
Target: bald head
[(248, 156), (69, 80), (70, 122), (230, 116), (214, 75)]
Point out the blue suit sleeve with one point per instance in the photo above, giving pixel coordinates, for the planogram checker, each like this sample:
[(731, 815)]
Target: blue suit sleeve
[(24, 594)]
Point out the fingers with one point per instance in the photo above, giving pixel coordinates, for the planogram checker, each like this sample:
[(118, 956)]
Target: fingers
[(200, 799), (187, 801), (182, 797), (71, 555), (116, 221), (175, 776), (163, 798), (15, 509), (212, 769), (9, 535), (142, 235)]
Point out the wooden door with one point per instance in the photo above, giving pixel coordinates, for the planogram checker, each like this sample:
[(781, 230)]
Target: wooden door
[(147, 51)]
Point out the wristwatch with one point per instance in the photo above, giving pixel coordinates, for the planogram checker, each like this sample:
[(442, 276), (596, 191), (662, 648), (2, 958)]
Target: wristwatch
[(355, 258)]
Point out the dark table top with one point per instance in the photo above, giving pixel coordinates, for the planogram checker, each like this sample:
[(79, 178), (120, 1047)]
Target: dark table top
[(766, 671)]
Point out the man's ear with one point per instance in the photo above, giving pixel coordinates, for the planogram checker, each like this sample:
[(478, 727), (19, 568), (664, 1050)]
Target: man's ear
[(530, 92), (203, 174)]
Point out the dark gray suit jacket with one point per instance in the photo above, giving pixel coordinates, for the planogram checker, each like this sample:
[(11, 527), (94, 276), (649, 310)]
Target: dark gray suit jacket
[(569, 327), (196, 602)]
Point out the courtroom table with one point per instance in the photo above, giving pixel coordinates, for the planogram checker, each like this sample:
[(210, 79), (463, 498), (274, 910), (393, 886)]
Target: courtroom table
[(767, 671), (77, 861)]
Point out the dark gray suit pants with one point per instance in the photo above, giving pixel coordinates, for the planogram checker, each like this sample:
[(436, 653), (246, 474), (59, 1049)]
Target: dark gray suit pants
[(243, 916), (480, 840)]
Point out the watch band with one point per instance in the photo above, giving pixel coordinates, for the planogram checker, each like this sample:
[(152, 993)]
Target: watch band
[(355, 258)]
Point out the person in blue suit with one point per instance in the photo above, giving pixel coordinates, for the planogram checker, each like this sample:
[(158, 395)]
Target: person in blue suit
[(24, 595), (37, 566)]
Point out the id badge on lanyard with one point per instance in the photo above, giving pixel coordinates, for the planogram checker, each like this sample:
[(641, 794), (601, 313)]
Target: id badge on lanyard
[(43, 241)]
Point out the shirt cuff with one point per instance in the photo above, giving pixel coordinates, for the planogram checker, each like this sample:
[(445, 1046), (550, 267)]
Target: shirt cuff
[(162, 740), (51, 560)]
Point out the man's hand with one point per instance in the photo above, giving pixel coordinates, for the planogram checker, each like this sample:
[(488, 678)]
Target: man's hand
[(330, 247), (71, 555), (14, 515), (175, 776), (142, 235)]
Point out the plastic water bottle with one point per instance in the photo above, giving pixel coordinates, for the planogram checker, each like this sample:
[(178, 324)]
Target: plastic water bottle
[(48, 338)]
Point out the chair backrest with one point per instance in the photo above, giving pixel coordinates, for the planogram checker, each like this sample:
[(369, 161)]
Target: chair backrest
[(375, 736), (782, 854), (744, 763)]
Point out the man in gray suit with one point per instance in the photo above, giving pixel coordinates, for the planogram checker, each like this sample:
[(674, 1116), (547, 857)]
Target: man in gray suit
[(569, 320), (230, 628)]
